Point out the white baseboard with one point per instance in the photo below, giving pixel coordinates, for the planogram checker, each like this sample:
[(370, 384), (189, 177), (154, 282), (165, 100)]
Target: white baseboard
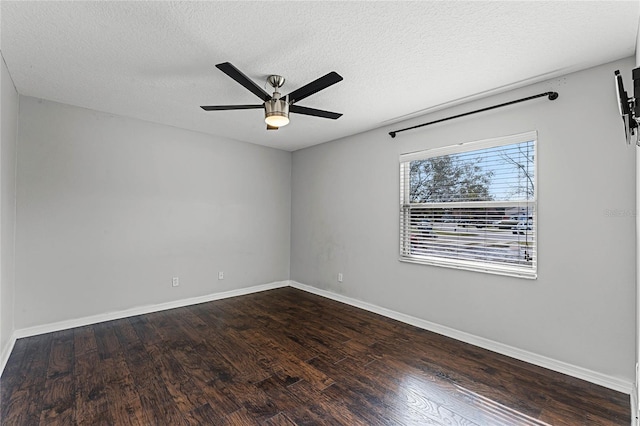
[(6, 351), (607, 381), (141, 310)]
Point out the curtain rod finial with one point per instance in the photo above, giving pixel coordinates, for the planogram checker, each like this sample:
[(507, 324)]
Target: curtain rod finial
[(553, 96), (392, 134)]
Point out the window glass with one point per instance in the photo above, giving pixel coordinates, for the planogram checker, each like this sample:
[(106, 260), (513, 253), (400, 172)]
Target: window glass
[(471, 206)]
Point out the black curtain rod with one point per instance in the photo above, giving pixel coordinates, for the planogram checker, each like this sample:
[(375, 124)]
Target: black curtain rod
[(552, 96)]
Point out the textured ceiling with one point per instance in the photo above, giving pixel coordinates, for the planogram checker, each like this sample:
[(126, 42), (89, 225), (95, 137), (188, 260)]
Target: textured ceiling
[(156, 60)]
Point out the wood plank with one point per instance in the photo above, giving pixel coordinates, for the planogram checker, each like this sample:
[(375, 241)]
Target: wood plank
[(125, 334), (84, 340), (239, 418), (106, 340), (59, 400), (158, 404), (59, 395), (279, 419), (26, 405), (61, 357), (91, 404), (203, 415), (14, 373), (124, 404)]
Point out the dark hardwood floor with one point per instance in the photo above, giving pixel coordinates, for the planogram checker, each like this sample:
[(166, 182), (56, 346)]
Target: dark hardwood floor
[(284, 357)]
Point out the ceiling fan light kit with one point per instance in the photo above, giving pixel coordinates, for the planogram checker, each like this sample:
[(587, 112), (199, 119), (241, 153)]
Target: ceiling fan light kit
[(276, 107), (276, 112)]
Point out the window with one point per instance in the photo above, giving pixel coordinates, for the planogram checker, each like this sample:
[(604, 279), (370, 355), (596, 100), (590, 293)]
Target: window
[(471, 206)]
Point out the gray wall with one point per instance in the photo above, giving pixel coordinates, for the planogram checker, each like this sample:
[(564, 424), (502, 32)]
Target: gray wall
[(580, 310), (111, 208), (8, 133)]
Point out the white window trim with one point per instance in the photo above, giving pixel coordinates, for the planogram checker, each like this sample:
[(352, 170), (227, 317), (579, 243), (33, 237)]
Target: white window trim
[(469, 146), (514, 271)]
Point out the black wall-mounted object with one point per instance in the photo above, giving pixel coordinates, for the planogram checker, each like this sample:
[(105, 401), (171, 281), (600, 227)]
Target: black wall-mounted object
[(629, 107)]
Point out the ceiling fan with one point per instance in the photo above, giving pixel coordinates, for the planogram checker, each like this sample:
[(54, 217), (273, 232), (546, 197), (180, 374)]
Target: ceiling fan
[(277, 107)]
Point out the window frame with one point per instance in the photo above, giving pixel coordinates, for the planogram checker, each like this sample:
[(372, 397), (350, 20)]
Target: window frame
[(405, 255)]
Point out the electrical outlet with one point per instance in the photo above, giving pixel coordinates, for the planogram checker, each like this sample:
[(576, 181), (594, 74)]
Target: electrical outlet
[(339, 277), (175, 282), (221, 275)]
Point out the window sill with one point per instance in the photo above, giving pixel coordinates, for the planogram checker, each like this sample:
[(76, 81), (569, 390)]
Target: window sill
[(474, 266)]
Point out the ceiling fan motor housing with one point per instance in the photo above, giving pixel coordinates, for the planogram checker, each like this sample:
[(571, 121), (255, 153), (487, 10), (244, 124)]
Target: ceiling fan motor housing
[(276, 112)]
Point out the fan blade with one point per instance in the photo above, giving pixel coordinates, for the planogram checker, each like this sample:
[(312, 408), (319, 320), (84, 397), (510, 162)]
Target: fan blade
[(272, 127), (314, 112), (315, 86), (228, 107), (238, 76)]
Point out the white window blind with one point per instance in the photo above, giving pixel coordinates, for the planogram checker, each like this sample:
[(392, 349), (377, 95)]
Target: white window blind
[(471, 206)]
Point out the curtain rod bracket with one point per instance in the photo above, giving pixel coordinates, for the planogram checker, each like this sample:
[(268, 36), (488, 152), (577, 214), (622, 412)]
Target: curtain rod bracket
[(551, 95)]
